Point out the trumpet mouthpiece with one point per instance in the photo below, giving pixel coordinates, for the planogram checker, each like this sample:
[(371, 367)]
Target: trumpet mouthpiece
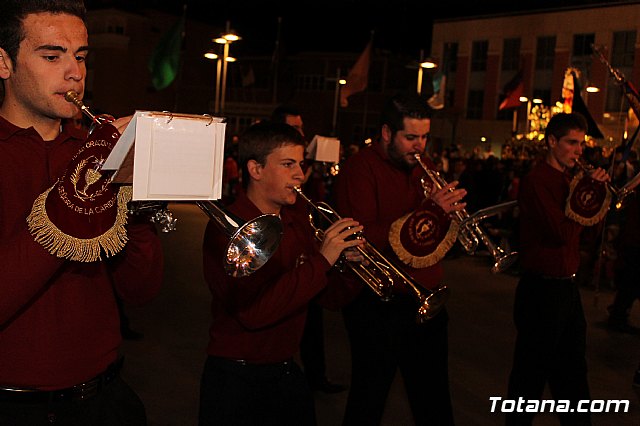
[(71, 96)]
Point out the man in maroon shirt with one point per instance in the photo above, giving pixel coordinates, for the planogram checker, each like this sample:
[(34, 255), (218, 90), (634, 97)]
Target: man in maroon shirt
[(312, 347), (257, 321), (550, 345), (59, 329), (377, 186)]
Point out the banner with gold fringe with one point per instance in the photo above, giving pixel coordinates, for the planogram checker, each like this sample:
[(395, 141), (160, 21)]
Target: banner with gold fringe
[(83, 214), (422, 238), (588, 201)]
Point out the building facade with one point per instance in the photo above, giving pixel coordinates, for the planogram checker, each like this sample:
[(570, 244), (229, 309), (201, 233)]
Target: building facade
[(480, 55)]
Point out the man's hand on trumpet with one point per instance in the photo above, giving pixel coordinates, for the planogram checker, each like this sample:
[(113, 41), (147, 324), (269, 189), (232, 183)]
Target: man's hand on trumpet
[(449, 198), (336, 240), (599, 174)]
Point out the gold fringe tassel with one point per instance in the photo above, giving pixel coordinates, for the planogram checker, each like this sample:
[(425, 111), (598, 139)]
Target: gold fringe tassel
[(586, 221), (82, 250), (422, 261)]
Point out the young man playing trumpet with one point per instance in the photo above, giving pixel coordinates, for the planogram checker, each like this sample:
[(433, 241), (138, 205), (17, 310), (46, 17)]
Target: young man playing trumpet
[(377, 186), (257, 322), (551, 342), (59, 325)]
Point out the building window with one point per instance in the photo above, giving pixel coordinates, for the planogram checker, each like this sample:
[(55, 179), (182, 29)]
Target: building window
[(545, 52), (310, 82), (622, 54), (474, 104), (582, 53), (582, 44), (450, 57), (622, 58), (511, 54), (479, 51)]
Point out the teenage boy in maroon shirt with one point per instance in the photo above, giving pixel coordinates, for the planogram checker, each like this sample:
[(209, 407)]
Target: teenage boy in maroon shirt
[(551, 342), (257, 321)]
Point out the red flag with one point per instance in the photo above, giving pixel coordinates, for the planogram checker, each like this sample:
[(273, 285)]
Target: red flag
[(358, 77), (512, 92)]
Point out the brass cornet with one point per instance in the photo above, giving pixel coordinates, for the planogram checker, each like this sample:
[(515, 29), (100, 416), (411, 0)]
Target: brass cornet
[(620, 193), (470, 234), (251, 243), (378, 272)]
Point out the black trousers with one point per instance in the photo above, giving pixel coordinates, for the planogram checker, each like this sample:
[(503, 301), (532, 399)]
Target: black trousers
[(627, 284), (550, 347), (233, 393), (116, 405), (385, 337), (312, 345)]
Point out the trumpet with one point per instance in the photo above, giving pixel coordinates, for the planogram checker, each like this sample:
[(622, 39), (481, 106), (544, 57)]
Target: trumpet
[(470, 234), (379, 273), (251, 243), (620, 193)]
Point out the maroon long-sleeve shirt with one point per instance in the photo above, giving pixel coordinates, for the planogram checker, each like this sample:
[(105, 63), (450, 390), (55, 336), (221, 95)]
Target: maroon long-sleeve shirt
[(549, 240), (59, 323), (260, 318), (373, 191)]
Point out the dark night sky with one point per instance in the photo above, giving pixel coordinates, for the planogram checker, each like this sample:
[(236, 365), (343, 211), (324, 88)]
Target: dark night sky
[(337, 25)]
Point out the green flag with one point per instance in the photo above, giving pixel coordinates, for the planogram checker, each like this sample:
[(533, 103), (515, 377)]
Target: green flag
[(165, 59)]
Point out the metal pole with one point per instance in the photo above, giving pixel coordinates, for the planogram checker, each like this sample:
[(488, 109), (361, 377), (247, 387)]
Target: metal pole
[(224, 76), (336, 97), (420, 72), (528, 122), (216, 108)]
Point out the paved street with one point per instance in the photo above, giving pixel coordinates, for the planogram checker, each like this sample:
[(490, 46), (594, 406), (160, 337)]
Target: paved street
[(164, 367)]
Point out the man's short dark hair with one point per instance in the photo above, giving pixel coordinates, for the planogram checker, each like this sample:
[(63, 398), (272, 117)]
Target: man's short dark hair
[(562, 123), (13, 13), (261, 139), (404, 105)]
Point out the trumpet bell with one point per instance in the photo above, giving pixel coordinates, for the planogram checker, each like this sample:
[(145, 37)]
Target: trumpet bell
[(504, 262), (433, 304), (252, 245)]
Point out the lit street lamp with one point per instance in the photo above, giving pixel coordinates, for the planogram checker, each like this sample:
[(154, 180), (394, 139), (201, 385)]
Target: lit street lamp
[(221, 67), (529, 102), (424, 64)]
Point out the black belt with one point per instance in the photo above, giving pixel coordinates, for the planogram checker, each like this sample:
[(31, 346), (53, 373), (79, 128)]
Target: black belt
[(79, 392), (549, 277), (244, 364)]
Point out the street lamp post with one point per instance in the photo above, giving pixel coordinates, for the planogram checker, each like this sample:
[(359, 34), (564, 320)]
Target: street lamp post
[(221, 67), (336, 99), (423, 64), (216, 102), (529, 106), (225, 56)]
